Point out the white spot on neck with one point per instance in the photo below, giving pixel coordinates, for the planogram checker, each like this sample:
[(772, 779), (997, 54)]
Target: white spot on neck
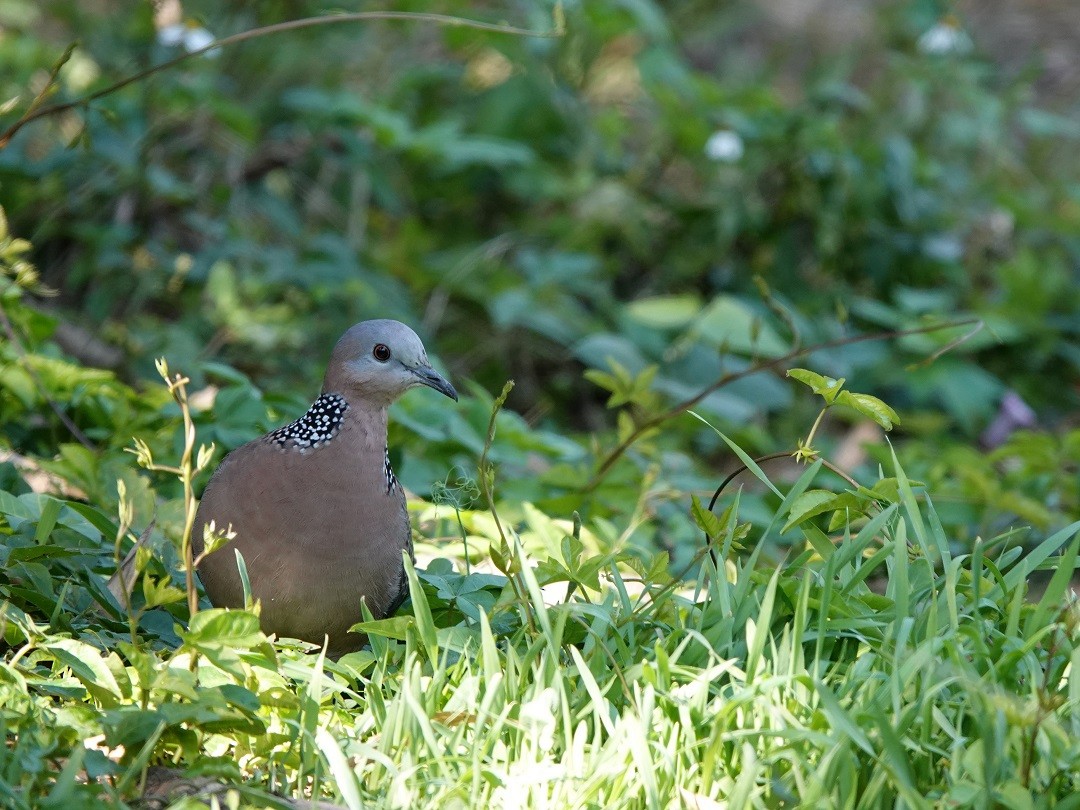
[(315, 428)]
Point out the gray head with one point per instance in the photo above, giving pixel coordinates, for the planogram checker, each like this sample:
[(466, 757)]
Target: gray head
[(378, 361)]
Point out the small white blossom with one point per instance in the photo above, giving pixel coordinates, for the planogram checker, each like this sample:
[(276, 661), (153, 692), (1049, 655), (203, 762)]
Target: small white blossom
[(197, 39), (943, 38), (724, 146), (172, 35), (193, 38)]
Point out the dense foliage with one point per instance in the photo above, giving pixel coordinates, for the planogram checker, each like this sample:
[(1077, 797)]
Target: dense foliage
[(647, 217)]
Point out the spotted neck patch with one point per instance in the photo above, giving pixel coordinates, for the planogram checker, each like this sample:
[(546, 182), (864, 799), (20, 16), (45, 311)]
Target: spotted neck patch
[(315, 428), (391, 479)]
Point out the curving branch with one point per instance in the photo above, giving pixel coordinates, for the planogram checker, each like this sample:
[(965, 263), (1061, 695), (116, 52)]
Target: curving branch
[(35, 111), (777, 362)]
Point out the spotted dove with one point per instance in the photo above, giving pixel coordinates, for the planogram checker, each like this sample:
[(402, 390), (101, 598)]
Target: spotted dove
[(319, 516)]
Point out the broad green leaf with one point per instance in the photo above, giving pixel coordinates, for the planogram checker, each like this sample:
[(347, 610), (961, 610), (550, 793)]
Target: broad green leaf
[(130, 726), (705, 519), (886, 489), (47, 550), (95, 518), (231, 628), (825, 387), (810, 503), (18, 507), (665, 311), (729, 323), (871, 407), (87, 663), (18, 381), (1015, 796), (459, 639), (601, 379), (848, 506)]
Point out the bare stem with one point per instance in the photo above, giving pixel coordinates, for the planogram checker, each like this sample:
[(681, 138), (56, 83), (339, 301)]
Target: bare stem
[(187, 475), (813, 431), (487, 486), (185, 471)]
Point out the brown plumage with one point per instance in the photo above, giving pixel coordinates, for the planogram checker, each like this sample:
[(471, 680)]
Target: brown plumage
[(318, 515)]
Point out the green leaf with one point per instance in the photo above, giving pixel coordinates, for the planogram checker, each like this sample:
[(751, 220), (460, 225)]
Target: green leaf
[(95, 517), (886, 489), (601, 379), (342, 770), (751, 465), (871, 407), (730, 324), (705, 520), (425, 625), (895, 758), (625, 387), (219, 627), (1036, 556), (1014, 795), (810, 503), (17, 507), (130, 726), (87, 664), (825, 387), (819, 541), (665, 311), (50, 551), (50, 511), (1054, 596), (842, 723), (158, 592), (756, 639), (847, 506), (396, 627)]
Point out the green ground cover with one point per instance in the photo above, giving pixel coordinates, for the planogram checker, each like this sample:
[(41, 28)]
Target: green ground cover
[(646, 221)]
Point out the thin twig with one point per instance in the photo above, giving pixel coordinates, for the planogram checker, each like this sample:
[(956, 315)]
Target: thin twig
[(687, 404), (33, 114), (51, 82), (761, 460), (772, 457), (948, 347), (487, 474), (80, 437), (739, 471), (487, 487)]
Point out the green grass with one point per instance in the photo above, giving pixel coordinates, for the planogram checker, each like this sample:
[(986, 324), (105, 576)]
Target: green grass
[(774, 685)]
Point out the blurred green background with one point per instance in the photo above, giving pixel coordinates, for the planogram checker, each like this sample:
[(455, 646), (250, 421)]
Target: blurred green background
[(667, 193)]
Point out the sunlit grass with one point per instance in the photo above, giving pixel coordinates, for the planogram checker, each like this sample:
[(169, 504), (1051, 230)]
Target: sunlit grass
[(770, 686)]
